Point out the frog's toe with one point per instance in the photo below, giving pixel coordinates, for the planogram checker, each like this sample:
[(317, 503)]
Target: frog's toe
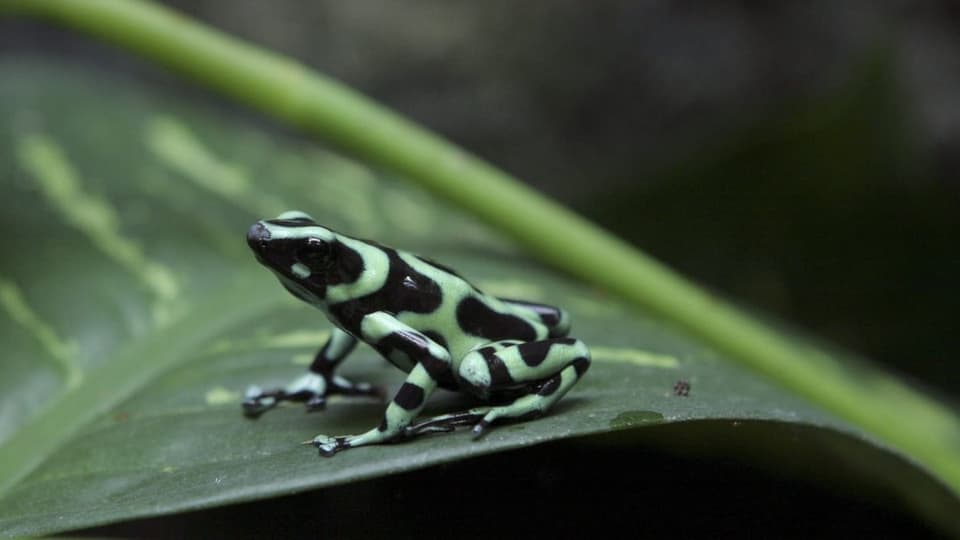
[(480, 428), (329, 446), (316, 402), (445, 423), (254, 407), (256, 401), (413, 431), (345, 387), (368, 390)]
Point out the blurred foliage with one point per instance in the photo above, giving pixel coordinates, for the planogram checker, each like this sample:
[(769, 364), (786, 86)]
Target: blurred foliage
[(835, 154), (824, 212)]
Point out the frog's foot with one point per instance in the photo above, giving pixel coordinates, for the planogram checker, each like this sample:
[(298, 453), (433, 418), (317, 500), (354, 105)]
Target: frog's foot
[(446, 422), (328, 446), (337, 385), (514, 412), (341, 385), (480, 419), (311, 388), (257, 401)]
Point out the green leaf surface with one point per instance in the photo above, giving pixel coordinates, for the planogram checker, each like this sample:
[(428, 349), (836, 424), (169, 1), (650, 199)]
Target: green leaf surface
[(133, 318)]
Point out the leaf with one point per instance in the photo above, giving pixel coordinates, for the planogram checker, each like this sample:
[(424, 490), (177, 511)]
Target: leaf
[(133, 318)]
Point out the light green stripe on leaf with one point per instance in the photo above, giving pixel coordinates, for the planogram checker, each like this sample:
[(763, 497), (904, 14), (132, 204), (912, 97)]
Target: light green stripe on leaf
[(93, 216), (178, 148), (295, 339), (636, 357), (63, 352), (219, 395)]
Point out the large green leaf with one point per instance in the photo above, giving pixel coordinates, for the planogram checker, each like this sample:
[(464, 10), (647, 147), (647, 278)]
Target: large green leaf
[(132, 318)]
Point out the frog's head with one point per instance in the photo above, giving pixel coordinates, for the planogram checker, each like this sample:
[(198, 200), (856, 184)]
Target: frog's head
[(300, 252)]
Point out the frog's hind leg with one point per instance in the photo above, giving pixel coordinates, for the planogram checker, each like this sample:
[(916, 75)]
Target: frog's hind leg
[(536, 373), (570, 354), (447, 422)]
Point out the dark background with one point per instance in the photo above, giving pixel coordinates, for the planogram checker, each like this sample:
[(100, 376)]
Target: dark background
[(797, 157)]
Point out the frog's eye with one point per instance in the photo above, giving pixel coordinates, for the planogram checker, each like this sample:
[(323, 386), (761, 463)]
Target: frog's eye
[(314, 253)]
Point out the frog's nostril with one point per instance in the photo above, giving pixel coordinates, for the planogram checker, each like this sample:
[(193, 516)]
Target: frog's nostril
[(257, 236)]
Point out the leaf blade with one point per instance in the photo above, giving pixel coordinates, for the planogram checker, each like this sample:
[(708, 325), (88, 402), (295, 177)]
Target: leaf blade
[(319, 105), (155, 427)]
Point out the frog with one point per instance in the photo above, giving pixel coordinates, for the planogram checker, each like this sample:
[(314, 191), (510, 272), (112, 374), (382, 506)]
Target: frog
[(513, 357)]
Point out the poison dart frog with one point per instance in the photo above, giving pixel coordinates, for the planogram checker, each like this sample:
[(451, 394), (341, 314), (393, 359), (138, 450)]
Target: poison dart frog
[(423, 318)]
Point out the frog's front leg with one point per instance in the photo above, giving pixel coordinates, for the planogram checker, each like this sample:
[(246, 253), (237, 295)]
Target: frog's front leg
[(314, 386), (385, 333)]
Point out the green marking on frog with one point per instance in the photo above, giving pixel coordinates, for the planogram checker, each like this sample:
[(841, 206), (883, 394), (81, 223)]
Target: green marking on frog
[(95, 218), (426, 320), (61, 351), (630, 419), (300, 270)]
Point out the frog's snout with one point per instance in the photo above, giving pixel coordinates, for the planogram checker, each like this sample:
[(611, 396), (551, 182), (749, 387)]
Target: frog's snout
[(257, 236)]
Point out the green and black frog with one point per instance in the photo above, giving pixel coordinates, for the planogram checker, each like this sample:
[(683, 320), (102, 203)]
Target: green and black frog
[(424, 319)]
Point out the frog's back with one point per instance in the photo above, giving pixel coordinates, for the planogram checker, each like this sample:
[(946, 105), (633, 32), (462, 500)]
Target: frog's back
[(466, 317)]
